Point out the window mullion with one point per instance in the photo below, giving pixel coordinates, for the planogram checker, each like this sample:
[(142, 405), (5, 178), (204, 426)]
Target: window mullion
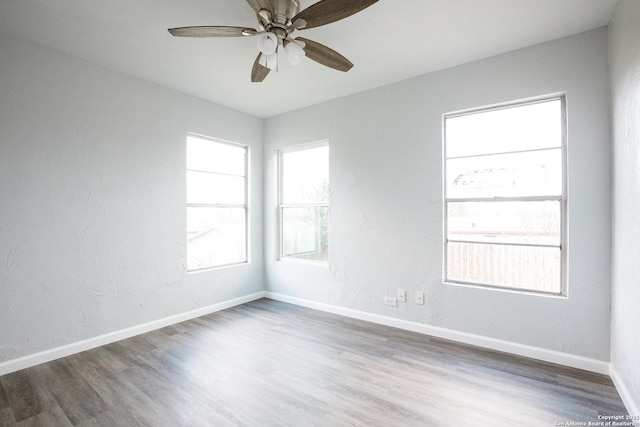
[(498, 153), (555, 198), (477, 242)]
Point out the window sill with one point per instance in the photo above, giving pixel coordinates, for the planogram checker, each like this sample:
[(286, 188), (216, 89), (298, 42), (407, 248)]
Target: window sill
[(217, 267), (305, 262), (507, 290)]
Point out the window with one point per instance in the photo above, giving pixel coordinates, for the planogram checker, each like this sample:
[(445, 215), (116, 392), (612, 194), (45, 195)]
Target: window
[(216, 203), (304, 202), (505, 196)]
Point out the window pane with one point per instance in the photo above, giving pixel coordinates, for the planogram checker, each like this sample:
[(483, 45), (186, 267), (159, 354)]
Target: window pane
[(517, 267), (304, 233), (211, 188), (537, 173), (305, 176), (215, 236), (505, 222), (525, 127), (211, 156)]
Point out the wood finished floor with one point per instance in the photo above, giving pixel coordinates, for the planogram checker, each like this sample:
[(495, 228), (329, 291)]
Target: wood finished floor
[(268, 363)]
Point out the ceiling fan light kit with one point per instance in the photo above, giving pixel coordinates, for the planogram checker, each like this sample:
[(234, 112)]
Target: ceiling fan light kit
[(294, 50), (277, 21), (269, 61), (267, 43)]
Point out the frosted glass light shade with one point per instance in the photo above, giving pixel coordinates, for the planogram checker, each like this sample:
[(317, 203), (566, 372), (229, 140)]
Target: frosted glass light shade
[(269, 61), (294, 52), (272, 61), (267, 43)]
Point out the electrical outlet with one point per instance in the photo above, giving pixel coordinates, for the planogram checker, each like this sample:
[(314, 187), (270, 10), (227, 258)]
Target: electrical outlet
[(419, 297), (402, 295), (391, 301)]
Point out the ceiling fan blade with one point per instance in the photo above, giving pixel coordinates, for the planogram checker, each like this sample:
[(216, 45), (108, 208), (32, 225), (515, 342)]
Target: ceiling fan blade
[(258, 5), (208, 31), (325, 56), (258, 72), (328, 11)]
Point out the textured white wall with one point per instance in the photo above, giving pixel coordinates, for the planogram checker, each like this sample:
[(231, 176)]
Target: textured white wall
[(386, 208), (624, 56), (92, 215)]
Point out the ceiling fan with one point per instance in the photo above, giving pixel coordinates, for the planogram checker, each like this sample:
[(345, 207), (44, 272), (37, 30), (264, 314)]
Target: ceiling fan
[(277, 22)]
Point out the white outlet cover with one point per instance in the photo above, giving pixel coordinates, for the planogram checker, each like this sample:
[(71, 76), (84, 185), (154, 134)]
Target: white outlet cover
[(391, 301)]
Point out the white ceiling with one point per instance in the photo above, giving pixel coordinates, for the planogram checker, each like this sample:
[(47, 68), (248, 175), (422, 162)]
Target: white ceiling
[(390, 41)]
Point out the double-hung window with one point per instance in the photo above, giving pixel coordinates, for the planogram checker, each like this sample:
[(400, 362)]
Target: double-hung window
[(505, 196), (304, 202), (216, 203)]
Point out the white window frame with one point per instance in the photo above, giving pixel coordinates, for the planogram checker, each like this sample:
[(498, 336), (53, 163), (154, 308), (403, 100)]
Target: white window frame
[(563, 292), (244, 205), (282, 206)]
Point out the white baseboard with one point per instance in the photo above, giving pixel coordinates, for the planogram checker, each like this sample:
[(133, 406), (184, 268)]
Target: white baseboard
[(14, 365), (552, 356), (633, 407)]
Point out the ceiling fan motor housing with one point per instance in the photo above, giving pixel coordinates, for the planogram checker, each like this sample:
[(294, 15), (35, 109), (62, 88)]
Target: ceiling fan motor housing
[(284, 10)]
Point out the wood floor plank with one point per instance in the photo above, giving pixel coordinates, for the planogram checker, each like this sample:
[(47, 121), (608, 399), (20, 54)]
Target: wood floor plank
[(4, 402), (20, 395), (50, 413), (76, 397), (6, 418), (268, 363), (55, 417), (125, 401)]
